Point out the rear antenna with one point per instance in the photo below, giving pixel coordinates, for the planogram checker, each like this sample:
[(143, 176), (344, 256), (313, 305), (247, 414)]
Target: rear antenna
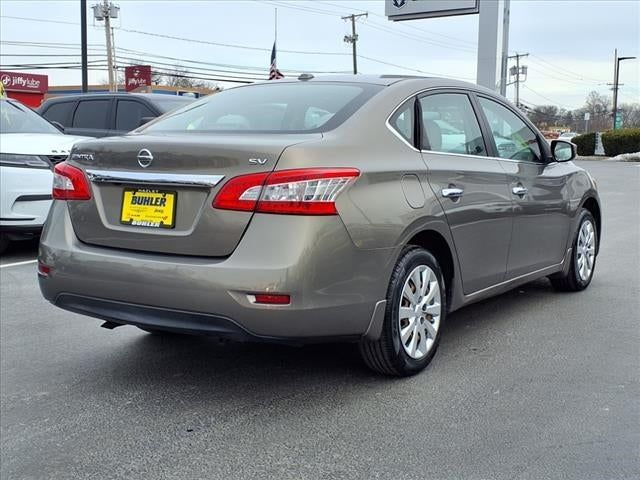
[(305, 76)]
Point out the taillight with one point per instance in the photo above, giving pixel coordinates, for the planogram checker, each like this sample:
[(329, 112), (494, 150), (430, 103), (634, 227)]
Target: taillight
[(270, 298), (70, 183), (241, 193), (309, 191), (43, 269)]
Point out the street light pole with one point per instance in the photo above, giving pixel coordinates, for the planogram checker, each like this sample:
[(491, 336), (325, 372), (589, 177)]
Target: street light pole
[(616, 85)]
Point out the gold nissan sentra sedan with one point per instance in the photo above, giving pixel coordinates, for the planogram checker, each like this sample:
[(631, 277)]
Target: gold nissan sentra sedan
[(359, 208)]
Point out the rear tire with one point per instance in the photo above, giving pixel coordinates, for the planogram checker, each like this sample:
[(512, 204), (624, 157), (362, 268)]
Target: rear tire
[(415, 312), (583, 257)]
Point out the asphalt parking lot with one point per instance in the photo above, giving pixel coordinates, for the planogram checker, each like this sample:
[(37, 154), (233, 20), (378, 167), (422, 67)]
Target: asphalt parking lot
[(532, 384)]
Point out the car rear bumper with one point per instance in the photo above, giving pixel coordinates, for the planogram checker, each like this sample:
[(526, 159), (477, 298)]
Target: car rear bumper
[(334, 286), (25, 198)]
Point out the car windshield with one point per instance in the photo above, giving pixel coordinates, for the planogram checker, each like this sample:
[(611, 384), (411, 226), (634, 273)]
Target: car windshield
[(16, 118), (276, 108)]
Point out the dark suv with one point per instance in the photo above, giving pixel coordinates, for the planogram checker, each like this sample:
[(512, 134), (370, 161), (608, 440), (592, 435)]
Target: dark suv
[(107, 114)]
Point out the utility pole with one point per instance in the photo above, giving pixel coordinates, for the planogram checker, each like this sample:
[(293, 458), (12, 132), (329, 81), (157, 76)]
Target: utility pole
[(517, 71), (107, 31), (616, 84), (106, 11), (83, 43), (504, 61), (353, 38)]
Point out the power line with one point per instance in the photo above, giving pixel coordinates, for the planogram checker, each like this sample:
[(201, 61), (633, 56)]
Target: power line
[(409, 36), (376, 26), (224, 65), (179, 61), (184, 39), (561, 79), (547, 98), (42, 55), (407, 25), (411, 69), (561, 70)]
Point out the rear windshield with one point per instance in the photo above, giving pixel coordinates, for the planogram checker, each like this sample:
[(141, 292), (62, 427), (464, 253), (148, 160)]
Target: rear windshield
[(276, 107)]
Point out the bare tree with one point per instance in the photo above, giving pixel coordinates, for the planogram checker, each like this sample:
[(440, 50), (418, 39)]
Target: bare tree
[(630, 115), (179, 77), (598, 107), (545, 116)]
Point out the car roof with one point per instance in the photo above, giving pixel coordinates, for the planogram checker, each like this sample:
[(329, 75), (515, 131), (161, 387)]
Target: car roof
[(149, 96), (371, 79), (385, 80)]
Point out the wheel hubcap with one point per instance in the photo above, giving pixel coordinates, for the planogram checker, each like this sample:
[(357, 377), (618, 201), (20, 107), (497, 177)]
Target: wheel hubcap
[(585, 250), (420, 308)]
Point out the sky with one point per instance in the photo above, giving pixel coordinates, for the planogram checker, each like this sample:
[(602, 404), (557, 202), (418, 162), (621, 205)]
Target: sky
[(570, 42)]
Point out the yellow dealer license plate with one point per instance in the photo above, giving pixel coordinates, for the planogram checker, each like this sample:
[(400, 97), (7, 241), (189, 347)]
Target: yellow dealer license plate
[(142, 207)]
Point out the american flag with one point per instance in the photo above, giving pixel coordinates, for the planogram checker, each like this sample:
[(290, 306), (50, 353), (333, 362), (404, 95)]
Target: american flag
[(274, 73)]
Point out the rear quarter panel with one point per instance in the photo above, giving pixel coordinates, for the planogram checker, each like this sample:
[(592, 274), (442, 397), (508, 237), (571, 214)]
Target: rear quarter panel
[(378, 213)]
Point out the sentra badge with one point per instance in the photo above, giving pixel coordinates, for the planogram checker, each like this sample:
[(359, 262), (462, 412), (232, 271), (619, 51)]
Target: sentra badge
[(87, 157)]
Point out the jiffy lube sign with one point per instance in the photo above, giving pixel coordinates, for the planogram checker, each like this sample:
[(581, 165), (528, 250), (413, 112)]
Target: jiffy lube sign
[(24, 82), (137, 76)]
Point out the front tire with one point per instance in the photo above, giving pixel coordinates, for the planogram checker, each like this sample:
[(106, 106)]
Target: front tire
[(583, 257), (416, 309)]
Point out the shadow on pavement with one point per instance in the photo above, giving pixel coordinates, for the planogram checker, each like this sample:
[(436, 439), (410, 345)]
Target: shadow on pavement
[(173, 362)]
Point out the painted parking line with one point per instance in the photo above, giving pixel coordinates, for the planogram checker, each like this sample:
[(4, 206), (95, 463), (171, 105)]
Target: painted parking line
[(26, 262)]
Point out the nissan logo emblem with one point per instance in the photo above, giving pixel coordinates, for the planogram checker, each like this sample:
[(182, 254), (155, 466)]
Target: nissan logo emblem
[(144, 158)]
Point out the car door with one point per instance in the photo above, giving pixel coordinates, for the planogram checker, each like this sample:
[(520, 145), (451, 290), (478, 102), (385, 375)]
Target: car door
[(471, 186), (537, 186), (129, 114), (92, 118)]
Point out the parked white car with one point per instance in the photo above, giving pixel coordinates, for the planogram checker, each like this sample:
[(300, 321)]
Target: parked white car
[(29, 147)]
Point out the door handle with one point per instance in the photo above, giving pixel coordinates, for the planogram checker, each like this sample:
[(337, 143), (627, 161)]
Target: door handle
[(519, 190), (452, 192)]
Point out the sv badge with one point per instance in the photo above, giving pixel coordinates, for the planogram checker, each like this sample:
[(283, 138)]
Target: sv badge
[(258, 161)]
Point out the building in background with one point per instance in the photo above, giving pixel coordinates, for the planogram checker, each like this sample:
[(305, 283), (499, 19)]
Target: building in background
[(28, 88)]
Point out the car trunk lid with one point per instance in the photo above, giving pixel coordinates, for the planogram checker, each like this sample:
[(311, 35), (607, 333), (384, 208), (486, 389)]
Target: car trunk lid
[(154, 193)]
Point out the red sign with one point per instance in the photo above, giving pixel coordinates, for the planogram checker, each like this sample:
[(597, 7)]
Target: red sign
[(24, 82), (137, 76)]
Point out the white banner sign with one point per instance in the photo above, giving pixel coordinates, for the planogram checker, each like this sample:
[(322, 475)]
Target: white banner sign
[(412, 9)]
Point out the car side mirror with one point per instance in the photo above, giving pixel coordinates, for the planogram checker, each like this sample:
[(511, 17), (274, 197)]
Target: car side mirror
[(144, 120), (58, 125), (563, 151)]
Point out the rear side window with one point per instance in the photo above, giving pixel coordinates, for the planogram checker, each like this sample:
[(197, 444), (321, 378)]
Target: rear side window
[(91, 114), (275, 107), (513, 138), (59, 112), (449, 125), (402, 121), (129, 113)]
